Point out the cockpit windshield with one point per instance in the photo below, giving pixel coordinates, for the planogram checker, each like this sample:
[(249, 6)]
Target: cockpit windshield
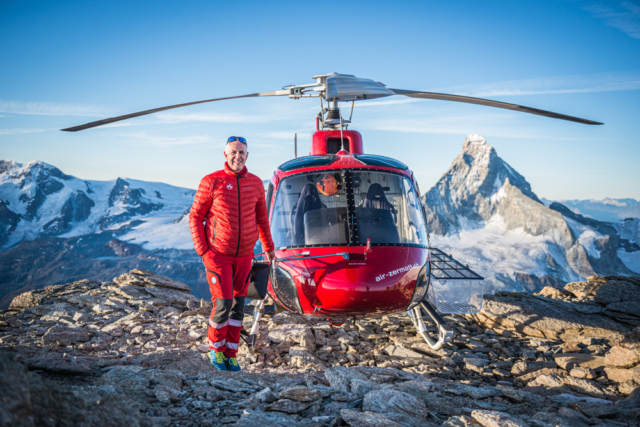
[(334, 208)]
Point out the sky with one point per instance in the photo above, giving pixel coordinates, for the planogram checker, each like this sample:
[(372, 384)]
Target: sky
[(66, 63)]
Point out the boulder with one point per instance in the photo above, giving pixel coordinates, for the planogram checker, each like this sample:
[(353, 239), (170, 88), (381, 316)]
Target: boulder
[(522, 368), (543, 317), (627, 307), (625, 355), (461, 421), (171, 296), (301, 357), (497, 419), (288, 406), (65, 336), (551, 292), (361, 387), (621, 375), (340, 378), (15, 402), (267, 419), (583, 372), (615, 291), (27, 299), (366, 419), (548, 419), (295, 334), (148, 279), (300, 394), (394, 401), (572, 360), (423, 390), (129, 380)]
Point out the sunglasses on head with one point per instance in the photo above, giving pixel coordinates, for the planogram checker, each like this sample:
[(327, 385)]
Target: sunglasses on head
[(239, 138)]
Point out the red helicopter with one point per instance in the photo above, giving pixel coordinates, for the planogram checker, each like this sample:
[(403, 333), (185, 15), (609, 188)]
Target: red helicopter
[(349, 228)]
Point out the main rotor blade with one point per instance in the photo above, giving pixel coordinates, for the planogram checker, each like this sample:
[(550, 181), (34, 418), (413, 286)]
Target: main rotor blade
[(490, 103), (156, 110)]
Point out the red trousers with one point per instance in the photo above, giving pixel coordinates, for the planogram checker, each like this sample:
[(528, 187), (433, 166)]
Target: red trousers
[(228, 278)]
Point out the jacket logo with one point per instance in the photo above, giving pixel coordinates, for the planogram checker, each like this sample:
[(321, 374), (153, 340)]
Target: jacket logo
[(229, 187)]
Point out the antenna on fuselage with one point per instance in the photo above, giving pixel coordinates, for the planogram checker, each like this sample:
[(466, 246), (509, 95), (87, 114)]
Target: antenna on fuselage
[(341, 138)]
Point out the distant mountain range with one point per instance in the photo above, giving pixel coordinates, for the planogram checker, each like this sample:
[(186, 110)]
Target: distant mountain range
[(39, 200), (609, 210), (484, 213), (56, 228)]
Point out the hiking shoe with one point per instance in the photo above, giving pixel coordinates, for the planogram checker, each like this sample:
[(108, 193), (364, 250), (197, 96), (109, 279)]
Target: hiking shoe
[(232, 364), (218, 360)]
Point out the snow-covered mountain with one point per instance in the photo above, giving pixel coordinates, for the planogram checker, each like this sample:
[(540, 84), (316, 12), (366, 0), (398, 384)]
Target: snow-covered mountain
[(39, 200), (481, 211), (484, 213), (610, 210)]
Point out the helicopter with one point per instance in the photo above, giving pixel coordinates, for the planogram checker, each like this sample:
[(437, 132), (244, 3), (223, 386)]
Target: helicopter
[(349, 228)]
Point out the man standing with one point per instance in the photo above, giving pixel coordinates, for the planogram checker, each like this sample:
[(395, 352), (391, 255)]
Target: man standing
[(232, 205)]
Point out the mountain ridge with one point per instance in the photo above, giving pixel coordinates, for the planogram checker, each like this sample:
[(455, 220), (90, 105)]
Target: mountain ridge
[(481, 210), (39, 200), (485, 213)]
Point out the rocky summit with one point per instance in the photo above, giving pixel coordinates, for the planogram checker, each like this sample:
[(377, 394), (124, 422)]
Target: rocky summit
[(133, 351)]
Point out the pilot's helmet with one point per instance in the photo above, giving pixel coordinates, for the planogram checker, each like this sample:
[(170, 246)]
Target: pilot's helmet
[(328, 185)]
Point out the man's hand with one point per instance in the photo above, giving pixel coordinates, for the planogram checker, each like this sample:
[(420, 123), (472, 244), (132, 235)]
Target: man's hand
[(206, 259), (270, 256)]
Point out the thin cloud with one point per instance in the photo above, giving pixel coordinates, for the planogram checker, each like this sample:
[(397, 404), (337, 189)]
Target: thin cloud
[(210, 118), (53, 109), (118, 125), (455, 125), (287, 135), (21, 131), (624, 16), (165, 141), (602, 82)]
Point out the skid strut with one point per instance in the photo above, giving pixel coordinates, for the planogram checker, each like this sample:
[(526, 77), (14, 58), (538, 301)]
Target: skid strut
[(257, 315), (445, 333)]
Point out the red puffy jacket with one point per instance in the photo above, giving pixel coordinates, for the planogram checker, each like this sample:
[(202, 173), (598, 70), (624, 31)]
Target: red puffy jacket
[(233, 209)]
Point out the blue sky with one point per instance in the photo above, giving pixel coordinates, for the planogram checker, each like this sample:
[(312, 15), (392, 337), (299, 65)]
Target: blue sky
[(67, 63)]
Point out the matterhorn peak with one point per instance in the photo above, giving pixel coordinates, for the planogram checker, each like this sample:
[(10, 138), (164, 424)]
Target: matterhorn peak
[(476, 146), (475, 139)]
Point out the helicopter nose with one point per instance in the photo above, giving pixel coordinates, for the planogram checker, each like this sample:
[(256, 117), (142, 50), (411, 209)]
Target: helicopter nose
[(383, 283)]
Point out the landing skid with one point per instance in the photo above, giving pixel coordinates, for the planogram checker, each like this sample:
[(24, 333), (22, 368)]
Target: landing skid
[(454, 289), (445, 333)]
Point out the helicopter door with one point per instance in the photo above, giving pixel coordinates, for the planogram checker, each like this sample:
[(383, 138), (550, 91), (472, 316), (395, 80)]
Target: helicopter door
[(258, 280)]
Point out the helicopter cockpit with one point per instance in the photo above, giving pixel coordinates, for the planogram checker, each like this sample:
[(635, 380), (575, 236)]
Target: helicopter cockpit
[(323, 209)]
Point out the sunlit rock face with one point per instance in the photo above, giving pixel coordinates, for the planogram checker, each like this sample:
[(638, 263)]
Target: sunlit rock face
[(485, 213)]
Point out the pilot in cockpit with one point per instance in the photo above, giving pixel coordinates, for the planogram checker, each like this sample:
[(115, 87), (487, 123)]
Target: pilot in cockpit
[(329, 185)]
